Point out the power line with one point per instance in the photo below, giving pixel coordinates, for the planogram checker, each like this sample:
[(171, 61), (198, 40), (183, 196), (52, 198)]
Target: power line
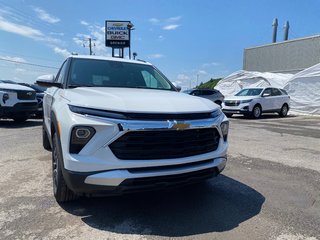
[(26, 63)]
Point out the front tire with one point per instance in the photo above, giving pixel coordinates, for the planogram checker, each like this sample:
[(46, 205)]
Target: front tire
[(256, 112), (284, 110), (61, 191)]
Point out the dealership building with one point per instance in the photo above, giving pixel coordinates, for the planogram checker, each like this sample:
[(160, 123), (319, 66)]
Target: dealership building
[(289, 56)]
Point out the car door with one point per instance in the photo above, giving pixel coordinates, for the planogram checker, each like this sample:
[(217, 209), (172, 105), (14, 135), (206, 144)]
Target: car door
[(51, 93), (266, 100), (278, 99)]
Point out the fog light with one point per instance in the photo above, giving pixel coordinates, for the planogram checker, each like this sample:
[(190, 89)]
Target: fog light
[(80, 136), (5, 97), (82, 133), (224, 129)]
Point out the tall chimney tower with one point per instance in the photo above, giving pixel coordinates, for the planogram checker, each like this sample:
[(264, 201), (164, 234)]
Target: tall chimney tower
[(275, 29), (286, 31)]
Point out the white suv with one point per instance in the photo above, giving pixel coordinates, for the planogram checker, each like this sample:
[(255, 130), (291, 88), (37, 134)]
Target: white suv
[(255, 101), (16, 101), (117, 126)]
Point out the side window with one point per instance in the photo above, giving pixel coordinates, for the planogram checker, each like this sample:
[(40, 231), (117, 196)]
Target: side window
[(150, 80), (207, 92), (196, 93), (276, 92), (62, 73), (267, 92)]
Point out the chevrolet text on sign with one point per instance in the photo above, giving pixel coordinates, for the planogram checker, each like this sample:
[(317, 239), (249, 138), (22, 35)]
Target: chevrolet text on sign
[(117, 34)]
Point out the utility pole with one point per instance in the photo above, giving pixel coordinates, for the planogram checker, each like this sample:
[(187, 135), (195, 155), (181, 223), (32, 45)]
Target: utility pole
[(197, 79), (90, 48), (90, 45)]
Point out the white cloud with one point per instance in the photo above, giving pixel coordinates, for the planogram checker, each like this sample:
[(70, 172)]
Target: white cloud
[(19, 29), (156, 56), (171, 27), (20, 70), (57, 33), (212, 64), (174, 19), (202, 72), (154, 20), (63, 52), (44, 16), (161, 38), (27, 31), (182, 76), (16, 59), (84, 23)]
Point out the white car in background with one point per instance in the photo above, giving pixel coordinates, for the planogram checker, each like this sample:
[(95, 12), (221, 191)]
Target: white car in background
[(255, 101), (16, 101)]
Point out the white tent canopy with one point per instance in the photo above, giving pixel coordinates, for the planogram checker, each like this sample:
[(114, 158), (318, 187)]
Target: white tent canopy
[(233, 83), (304, 90)]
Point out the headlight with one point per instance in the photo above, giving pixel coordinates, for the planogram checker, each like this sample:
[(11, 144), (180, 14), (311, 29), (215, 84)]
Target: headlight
[(246, 101), (216, 113), (80, 136), (224, 129), (96, 112), (7, 90)]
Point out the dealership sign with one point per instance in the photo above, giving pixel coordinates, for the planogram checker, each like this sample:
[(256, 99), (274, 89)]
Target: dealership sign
[(117, 34)]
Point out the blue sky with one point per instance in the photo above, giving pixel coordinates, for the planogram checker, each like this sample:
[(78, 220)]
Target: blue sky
[(183, 38)]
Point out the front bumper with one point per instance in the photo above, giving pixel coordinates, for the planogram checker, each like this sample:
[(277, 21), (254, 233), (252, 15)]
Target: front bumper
[(240, 109), (96, 169), (18, 109), (133, 180)]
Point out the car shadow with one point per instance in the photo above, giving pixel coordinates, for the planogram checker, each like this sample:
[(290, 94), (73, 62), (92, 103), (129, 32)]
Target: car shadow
[(26, 124), (216, 206)]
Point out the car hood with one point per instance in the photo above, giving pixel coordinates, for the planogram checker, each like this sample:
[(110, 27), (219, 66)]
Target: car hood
[(236, 98), (12, 86), (137, 100)]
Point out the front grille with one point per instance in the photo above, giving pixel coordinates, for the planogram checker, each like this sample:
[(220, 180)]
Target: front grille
[(165, 144), (232, 103), (26, 95)]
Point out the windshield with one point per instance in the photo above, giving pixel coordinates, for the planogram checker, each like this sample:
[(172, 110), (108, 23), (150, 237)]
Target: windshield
[(104, 73), (249, 92)]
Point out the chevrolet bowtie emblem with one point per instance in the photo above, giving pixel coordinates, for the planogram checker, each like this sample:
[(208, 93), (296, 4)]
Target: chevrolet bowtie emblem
[(178, 125)]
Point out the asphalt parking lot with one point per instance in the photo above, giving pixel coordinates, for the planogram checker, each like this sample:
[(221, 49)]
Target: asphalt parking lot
[(270, 189)]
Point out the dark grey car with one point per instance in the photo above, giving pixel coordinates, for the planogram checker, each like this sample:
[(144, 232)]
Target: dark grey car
[(212, 94)]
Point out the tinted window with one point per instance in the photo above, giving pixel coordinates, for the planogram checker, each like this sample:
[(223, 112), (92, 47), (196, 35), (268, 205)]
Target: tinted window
[(249, 92), (207, 92), (284, 92), (267, 92), (275, 92), (104, 73)]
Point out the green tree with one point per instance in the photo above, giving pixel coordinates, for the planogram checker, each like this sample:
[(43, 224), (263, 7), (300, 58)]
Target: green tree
[(210, 84)]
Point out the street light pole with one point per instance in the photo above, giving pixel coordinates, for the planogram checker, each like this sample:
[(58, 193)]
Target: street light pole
[(130, 27)]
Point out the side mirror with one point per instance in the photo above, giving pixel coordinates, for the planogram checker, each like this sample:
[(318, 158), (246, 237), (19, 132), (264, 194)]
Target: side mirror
[(48, 81), (266, 95)]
